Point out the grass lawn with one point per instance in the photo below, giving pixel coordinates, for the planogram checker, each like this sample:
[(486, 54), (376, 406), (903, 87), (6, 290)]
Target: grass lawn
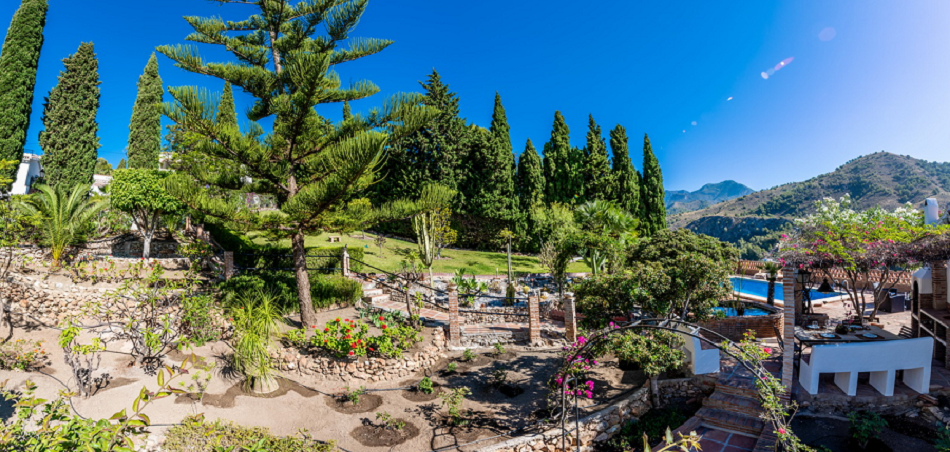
[(477, 262)]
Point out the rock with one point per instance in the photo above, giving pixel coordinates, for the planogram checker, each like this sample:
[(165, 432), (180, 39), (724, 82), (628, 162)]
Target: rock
[(601, 438)]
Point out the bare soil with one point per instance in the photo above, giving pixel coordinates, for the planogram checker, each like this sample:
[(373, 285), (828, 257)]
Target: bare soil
[(376, 436)]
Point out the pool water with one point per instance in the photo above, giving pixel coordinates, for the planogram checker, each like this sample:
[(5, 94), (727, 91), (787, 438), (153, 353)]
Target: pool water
[(760, 288), (749, 312)]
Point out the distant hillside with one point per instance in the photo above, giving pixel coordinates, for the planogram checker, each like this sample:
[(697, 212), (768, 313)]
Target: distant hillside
[(883, 179), (679, 201)]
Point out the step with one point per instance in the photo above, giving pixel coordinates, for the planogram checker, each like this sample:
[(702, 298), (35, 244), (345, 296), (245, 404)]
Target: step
[(740, 386), (372, 292), (727, 420), (376, 298), (736, 404)]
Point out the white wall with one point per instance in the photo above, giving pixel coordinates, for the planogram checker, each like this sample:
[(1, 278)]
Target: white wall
[(29, 170)]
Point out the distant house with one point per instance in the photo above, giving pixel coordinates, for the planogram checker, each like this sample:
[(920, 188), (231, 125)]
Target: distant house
[(30, 170), (99, 182)]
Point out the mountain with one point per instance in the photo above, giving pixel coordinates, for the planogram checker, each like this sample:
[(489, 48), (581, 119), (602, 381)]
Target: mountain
[(880, 179), (679, 201)]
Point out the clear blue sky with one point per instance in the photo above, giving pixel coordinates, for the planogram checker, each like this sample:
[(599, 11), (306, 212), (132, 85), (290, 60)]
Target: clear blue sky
[(879, 83)]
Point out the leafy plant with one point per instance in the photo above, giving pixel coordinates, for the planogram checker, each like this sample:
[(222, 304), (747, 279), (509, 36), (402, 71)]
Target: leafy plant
[(256, 327), (354, 396), (653, 424), (942, 442), (425, 385), (23, 354), (865, 425), (64, 215), (453, 400), (82, 359), (343, 338), (655, 351), (389, 422), (380, 241), (195, 434), (451, 367), (499, 377), (468, 355), (499, 349), (141, 193), (199, 319)]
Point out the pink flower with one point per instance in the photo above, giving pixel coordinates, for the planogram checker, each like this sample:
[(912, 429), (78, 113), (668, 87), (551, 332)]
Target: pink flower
[(781, 431), (767, 350)]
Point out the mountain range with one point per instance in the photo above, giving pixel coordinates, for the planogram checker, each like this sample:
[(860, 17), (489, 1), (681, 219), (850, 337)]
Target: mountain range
[(679, 201), (880, 179)]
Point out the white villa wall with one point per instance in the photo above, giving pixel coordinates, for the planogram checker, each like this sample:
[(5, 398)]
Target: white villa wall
[(29, 170)]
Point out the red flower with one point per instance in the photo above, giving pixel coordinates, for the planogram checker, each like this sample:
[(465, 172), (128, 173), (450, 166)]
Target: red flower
[(384, 327), (326, 330), (347, 336), (351, 353), (359, 341), (353, 345), (371, 349), (337, 319), (346, 320), (380, 318), (313, 326)]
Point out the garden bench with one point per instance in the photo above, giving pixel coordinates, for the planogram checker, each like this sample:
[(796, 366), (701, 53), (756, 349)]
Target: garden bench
[(703, 357), (333, 238), (881, 358)]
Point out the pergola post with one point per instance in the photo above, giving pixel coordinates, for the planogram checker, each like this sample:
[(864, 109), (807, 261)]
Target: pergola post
[(790, 293), (455, 327)]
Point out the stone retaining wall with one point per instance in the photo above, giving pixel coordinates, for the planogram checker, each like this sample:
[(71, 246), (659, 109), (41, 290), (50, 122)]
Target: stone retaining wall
[(329, 368), (735, 328), (45, 303), (603, 424)]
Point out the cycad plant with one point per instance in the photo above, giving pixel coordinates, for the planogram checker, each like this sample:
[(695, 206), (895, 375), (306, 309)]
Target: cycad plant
[(65, 213), (771, 270), (257, 321), (284, 55)]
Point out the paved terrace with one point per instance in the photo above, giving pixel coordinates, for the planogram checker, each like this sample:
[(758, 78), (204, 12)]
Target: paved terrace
[(480, 328)]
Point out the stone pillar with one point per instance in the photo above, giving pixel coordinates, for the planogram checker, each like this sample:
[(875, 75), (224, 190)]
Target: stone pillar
[(188, 223), (570, 319), (345, 261), (228, 264), (534, 320), (789, 290), (455, 328), (939, 275)]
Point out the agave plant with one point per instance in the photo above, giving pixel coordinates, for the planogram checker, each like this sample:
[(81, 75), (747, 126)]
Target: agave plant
[(64, 214)]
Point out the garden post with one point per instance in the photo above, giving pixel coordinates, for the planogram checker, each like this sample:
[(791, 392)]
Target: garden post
[(455, 328), (789, 289), (534, 320), (570, 319), (228, 264), (188, 224), (345, 261)]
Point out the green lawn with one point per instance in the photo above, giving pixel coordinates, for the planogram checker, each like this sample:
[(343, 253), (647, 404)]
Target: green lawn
[(477, 262)]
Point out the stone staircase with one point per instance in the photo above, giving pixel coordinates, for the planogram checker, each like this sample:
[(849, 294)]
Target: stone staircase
[(733, 408)]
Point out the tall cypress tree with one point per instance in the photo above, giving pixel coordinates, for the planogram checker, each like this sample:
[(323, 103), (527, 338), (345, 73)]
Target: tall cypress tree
[(626, 186), (227, 112), (491, 182), (122, 165), (19, 60), (69, 139), (530, 178), (652, 202), (145, 129), (559, 185), (598, 179)]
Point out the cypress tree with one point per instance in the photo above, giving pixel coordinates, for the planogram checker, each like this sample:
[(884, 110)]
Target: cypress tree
[(530, 178), (19, 60), (575, 175), (227, 112), (557, 164), (598, 179), (652, 202), (491, 182), (121, 165), (626, 187), (69, 139), (145, 129)]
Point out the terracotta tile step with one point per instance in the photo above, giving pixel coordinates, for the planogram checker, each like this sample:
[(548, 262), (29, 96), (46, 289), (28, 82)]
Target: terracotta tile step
[(691, 425), (737, 404), (766, 442), (728, 420)]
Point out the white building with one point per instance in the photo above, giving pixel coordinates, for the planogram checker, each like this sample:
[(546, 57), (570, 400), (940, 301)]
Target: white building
[(30, 170)]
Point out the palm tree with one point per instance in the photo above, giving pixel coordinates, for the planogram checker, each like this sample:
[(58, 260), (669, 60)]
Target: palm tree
[(64, 214), (771, 270), (603, 221)]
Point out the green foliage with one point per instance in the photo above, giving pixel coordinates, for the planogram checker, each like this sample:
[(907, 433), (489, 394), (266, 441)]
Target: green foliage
[(653, 424), (490, 187), (351, 338), (598, 178), (256, 327), (426, 224), (354, 396), (558, 172), (425, 385), (655, 351), (141, 193), (19, 59), (308, 165), (103, 167), (652, 194), (499, 348), (530, 187), (604, 230), (70, 139), (64, 212), (23, 354), (499, 377), (626, 189), (327, 290), (942, 443), (865, 425), (122, 164), (453, 399), (195, 434), (280, 284), (227, 112), (145, 128), (391, 423), (451, 367), (198, 319), (468, 355)]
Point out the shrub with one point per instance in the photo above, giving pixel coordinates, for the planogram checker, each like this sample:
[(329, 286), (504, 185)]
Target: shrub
[(198, 320), (195, 434), (468, 355), (943, 439), (499, 349), (22, 354), (425, 385), (653, 424), (280, 284), (343, 338), (389, 422), (256, 325), (453, 399), (865, 426), (329, 289), (452, 367), (354, 395)]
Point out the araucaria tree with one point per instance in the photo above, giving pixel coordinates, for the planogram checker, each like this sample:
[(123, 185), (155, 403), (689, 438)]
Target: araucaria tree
[(307, 164), (145, 129), (69, 139), (626, 179), (19, 60), (652, 194), (142, 194)]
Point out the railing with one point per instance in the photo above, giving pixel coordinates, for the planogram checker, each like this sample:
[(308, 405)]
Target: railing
[(875, 276)]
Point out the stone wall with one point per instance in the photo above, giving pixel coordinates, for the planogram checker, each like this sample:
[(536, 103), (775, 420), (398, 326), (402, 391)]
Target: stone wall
[(603, 424), (735, 328), (34, 300), (322, 367)]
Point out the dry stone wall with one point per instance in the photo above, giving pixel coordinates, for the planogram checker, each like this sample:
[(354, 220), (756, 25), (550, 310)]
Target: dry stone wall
[(36, 300)]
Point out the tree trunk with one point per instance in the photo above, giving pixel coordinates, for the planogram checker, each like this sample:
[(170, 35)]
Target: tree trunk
[(655, 390), (307, 314), (771, 293)]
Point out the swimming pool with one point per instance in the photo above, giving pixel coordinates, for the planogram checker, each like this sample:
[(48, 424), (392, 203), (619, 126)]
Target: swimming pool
[(749, 312), (760, 288)]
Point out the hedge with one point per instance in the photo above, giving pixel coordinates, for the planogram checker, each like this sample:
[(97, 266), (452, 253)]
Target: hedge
[(325, 290)]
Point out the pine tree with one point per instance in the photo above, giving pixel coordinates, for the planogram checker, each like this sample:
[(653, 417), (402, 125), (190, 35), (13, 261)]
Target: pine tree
[(227, 112), (310, 166), (598, 179), (19, 60), (69, 139), (103, 167), (347, 111), (145, 129), (626, 186), (121, 165), (433, 154), (652, 202), (557, 165)]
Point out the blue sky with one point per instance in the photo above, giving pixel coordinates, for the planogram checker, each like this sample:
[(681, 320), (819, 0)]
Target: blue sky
[(866, 75)]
